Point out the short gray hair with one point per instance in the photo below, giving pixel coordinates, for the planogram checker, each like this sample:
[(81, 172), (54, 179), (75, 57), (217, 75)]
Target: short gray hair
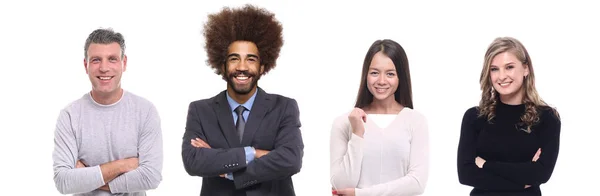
[(104, 36)]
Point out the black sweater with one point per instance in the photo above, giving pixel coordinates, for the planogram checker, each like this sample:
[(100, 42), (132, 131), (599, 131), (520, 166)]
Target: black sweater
[(508, 151)]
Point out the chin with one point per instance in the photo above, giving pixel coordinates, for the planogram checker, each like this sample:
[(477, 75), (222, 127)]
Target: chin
[(105, 90), (382, 97), (507, 92), (242, 90)]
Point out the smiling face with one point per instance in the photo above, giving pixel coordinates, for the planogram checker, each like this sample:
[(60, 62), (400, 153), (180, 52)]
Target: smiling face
[(382, 78), (243, 68), (105, 66), (507, 74)]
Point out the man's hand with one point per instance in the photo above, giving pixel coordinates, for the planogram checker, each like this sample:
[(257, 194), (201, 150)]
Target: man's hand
[(80, 164), (104, 188), (259, 153), (199, 143)]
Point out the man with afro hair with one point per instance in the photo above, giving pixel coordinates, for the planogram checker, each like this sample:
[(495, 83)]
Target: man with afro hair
[(243, 141)]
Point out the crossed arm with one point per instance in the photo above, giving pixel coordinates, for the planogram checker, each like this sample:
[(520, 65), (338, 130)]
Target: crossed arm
[(282, 161), (539, 170), (479, 173), (72, 176)]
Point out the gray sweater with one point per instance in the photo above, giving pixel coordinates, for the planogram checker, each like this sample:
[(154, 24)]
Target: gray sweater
[(97, 134)]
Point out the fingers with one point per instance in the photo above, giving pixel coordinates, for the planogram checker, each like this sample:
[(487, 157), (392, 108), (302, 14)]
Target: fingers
[(196, 144), (260, 153), (79, 164), (199, 143), (204, 144), (363, 117), (361, 113), (222, 175), (343, 191), (537, 155)]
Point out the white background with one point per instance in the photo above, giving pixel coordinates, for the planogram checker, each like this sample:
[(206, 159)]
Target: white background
[(41, 59)]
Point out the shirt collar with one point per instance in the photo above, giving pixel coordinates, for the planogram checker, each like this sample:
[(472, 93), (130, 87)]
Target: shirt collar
[(233, 104)]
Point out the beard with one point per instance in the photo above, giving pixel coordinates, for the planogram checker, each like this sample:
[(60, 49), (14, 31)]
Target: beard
[(242, 89)]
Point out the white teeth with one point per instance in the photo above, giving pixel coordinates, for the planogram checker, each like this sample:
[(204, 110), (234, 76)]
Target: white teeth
[(242, 77), (380, 90), (504, 84), (105, 78)]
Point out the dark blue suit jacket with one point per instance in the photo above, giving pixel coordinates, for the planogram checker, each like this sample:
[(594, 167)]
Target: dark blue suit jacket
[(273, 124)]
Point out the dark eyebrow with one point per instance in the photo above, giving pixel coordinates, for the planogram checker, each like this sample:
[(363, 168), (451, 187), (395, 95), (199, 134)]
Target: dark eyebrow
[(252, 55), (233, 54)]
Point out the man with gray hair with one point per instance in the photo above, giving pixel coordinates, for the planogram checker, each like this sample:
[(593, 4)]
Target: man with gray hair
[(109, 141)]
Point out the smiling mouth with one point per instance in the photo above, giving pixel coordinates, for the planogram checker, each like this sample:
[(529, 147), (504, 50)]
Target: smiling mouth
[(105, 77), (380, 90), (504, 84), (242, 79)]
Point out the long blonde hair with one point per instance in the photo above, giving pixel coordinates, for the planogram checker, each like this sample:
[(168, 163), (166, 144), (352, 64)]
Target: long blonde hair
[(489, 96)]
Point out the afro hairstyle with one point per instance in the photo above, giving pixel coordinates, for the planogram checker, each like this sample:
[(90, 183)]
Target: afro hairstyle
[(248, 23)]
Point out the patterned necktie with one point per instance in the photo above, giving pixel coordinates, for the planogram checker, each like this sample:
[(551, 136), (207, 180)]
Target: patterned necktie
[(241, 123)]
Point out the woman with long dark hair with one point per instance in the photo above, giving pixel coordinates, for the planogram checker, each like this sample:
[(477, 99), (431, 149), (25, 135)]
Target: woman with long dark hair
[(381, 147)]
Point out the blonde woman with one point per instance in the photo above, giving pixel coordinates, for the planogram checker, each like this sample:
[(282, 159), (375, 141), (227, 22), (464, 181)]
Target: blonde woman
[(509, 143), (380, 148)]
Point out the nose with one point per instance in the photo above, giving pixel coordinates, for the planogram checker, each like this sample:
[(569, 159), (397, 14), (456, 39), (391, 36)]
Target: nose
[(242, 66), (381, 79), (104, 66), (502, 75)]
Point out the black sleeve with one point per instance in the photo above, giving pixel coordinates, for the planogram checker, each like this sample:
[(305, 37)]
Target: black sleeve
[(468, 173), (534, 173)]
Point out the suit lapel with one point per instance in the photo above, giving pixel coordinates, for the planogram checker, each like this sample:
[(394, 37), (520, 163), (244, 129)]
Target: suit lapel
[(225, 118), (262, 104)]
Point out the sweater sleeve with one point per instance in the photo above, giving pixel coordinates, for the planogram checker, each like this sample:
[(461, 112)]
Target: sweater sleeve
[(413, 183), (67, 178), (346, 153), (468, 173), (533, 173), (148, 174)]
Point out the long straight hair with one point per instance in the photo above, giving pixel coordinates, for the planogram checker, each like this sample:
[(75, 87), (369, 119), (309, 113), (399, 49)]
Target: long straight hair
[(395, 52)]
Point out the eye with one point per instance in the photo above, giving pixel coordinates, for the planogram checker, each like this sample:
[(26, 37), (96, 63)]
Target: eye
[(233, 59), (252, 60), (391, 74), (113, 60), (494, 69), (373, 73), (510, 67)]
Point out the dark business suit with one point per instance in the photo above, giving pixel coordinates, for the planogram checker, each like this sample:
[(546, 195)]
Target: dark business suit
[(273, 124)]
